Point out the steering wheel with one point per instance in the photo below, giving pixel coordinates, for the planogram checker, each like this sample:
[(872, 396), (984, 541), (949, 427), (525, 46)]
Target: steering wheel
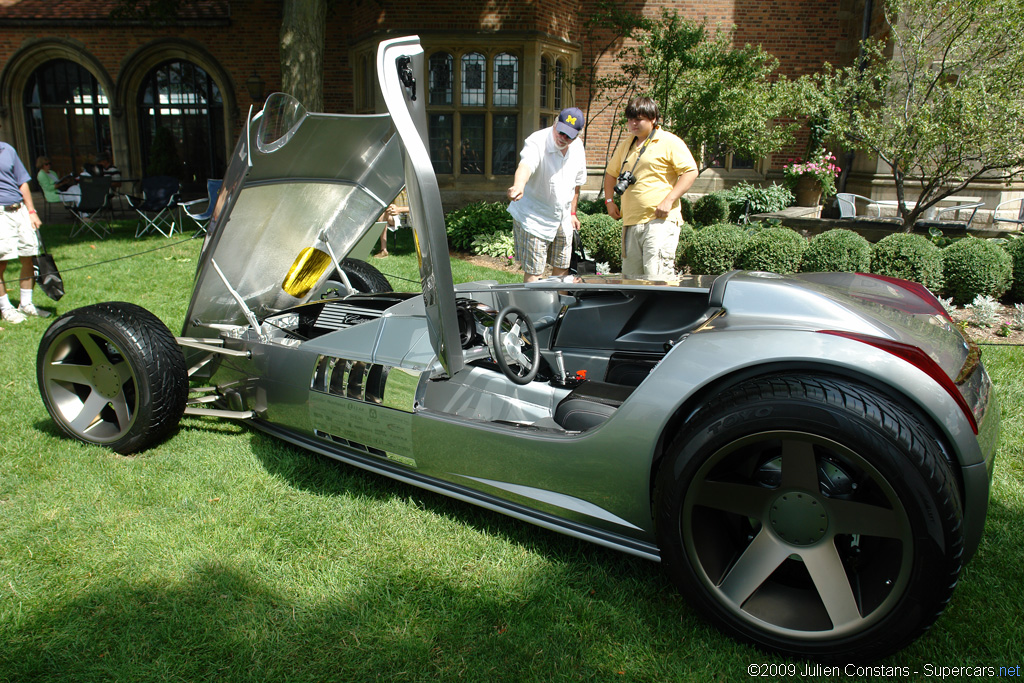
[(515, 345)]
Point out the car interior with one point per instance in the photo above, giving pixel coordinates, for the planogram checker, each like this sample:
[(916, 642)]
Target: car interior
[(570, 356)]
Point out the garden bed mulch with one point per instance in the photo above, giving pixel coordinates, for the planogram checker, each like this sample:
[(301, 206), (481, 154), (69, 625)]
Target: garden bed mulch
[(997, 334)]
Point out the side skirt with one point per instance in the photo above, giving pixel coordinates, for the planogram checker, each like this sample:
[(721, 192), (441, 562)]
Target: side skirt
[(648, 551)]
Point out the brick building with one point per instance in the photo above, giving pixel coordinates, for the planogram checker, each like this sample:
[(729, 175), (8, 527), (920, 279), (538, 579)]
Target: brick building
[(74, 81)]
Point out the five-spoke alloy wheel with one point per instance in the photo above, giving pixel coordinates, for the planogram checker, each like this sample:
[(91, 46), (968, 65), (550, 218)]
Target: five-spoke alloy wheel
[(111, 374), (811, 516)]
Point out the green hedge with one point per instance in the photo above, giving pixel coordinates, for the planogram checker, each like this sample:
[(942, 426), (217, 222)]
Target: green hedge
[(686, 235), (972, 266), (837, 250), (711, 209), (715, 248), (480, 219), (601, 237), (910, 257), (773, 249), (1015, 248)]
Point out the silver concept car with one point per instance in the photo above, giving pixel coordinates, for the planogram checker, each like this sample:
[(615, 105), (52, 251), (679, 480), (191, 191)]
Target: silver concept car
[(809, 456)]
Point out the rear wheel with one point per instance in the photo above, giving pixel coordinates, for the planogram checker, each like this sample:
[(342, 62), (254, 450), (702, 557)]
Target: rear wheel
[(811, 516), (361, 275), (111, 374)]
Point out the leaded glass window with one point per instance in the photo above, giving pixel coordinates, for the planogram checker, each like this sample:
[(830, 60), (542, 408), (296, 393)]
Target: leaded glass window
[(472, 151), (440, 78), (506, 80), (504, 145), (474, 85), (559, 76), (545, 68), (473, 111), (439, 135)]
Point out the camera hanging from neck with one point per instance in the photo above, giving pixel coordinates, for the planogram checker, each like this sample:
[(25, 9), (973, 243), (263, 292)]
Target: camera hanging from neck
[(627, 178)]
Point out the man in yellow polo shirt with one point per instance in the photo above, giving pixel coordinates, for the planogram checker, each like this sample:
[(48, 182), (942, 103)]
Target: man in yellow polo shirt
[(664, 169)]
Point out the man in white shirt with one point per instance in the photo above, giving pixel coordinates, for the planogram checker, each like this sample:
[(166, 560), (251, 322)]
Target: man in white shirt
[(545, 190)]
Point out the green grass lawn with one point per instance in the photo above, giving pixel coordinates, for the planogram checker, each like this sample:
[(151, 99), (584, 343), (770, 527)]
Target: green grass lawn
[(226, 555)]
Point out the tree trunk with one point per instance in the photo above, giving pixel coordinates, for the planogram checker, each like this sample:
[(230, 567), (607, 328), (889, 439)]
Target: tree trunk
[(302, 51)]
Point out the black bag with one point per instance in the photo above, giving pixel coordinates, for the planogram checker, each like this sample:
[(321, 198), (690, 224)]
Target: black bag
[(47, 275), (579, 264)]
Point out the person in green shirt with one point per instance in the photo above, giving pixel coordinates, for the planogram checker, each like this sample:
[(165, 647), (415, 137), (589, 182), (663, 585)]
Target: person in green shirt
[(54, 189)]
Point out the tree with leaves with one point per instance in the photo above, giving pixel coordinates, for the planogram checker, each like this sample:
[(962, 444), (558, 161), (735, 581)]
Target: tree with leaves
[(938, 97), (718, 97)]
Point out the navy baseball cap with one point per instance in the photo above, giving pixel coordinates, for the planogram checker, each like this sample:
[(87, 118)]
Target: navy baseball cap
[(570, 122)]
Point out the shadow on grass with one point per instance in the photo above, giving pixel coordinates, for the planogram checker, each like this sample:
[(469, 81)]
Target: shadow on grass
[(227, 623), (324, 476)]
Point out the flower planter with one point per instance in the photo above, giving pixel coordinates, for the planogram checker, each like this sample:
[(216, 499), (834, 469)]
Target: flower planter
[(808, 191)]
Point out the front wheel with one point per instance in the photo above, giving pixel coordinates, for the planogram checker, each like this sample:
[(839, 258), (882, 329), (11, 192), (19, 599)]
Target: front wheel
[(363, 277), (811, 516), (112, 374)]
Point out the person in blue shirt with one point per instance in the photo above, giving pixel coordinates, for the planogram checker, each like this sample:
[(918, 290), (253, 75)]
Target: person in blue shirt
[(19, 239)]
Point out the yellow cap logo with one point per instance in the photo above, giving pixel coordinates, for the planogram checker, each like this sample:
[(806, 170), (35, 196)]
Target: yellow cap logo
[(571, 120)]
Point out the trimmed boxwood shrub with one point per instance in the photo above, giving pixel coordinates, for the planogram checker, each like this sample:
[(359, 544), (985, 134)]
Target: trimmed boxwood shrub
[(972, 266), (591, 207), (601, 237), (686, 235), (686, 210), (479, 219), (837, 250), (1015, 248), (774, 249), (910, 257), (715, 248), (711, 209)]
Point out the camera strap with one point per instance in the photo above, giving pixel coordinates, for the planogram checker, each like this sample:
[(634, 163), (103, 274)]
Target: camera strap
[(639, 154)]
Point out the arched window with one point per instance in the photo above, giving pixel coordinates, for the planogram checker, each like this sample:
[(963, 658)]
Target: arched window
[(68, 116), (559, 85), (181, 122), (545, 69)]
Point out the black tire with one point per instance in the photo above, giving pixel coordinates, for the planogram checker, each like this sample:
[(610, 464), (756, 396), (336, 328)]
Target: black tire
[(111, 374), (364, 277), (847, 557)]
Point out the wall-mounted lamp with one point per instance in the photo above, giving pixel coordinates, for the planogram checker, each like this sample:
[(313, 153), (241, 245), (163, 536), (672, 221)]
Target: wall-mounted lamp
[(254, 84)]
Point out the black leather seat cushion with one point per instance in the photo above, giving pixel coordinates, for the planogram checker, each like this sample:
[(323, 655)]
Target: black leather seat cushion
[(590, 404)]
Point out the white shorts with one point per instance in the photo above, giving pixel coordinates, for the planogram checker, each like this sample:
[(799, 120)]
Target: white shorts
[(17, 236)]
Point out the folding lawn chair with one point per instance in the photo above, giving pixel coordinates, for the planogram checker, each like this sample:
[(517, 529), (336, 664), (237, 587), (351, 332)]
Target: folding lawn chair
[(93, 206), (1018, 220), (156, 206), (848, 204), (202, 219)]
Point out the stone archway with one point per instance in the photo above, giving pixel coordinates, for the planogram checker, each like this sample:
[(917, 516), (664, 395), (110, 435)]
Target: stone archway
[(21, 70), (178, 86)]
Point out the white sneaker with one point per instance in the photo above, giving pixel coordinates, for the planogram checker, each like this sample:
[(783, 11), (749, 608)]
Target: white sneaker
[(30, 309), (13, 315)]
